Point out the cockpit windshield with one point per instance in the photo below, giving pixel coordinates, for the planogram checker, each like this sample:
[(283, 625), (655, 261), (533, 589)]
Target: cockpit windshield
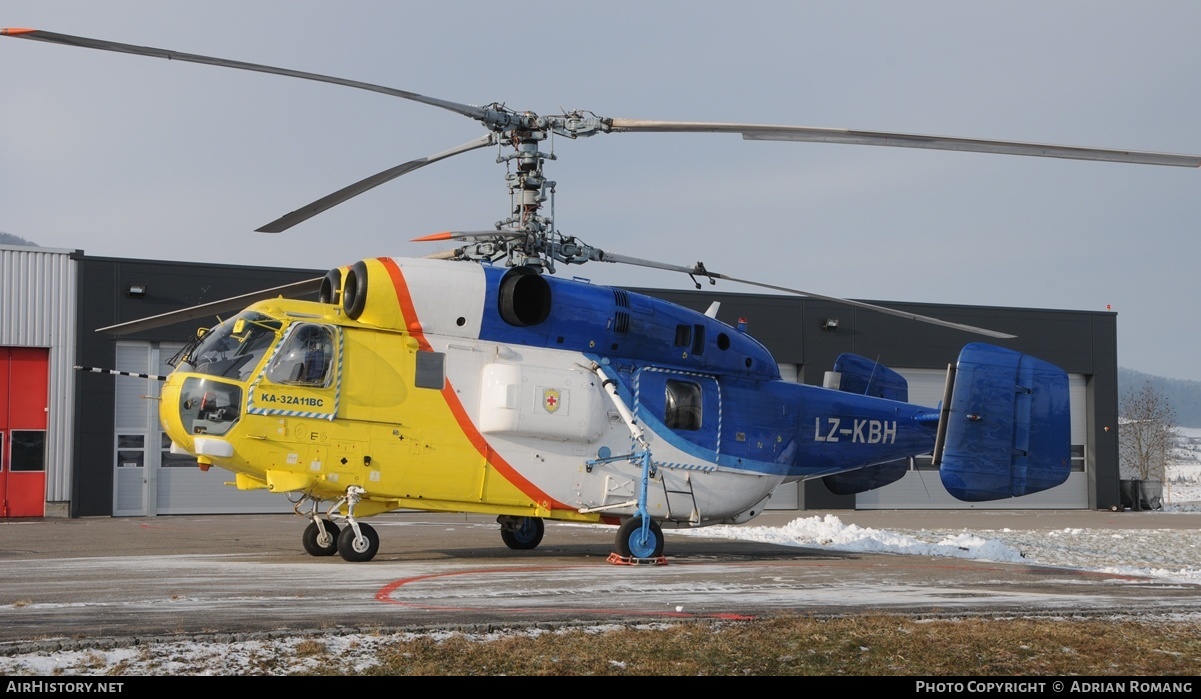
[(234, 348)]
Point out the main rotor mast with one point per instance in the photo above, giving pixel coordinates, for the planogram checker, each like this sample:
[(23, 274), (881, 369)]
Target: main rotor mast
[(528, 235)]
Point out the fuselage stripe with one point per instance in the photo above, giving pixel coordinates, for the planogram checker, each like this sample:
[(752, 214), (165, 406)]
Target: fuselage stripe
[(409, 312)]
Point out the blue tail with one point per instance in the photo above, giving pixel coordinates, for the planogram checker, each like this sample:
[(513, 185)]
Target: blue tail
[(1005, 430)]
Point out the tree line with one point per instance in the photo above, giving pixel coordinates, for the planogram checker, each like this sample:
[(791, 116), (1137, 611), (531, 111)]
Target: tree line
[(1183, 396)]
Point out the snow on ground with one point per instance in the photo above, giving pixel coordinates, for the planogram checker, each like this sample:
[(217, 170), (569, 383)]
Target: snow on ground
[(1163, 553), (1182, 486)]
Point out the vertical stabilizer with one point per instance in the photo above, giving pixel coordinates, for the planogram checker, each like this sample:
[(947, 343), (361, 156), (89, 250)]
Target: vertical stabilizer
[(1007, 430)]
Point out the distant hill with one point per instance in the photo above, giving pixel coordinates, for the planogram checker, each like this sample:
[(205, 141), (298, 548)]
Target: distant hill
[(10, 239), (1183, 396)]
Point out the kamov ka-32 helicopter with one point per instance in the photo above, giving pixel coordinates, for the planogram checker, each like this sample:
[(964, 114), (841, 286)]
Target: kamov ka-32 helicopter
[(482, 383)]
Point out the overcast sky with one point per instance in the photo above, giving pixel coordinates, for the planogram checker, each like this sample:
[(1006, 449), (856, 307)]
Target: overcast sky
[(128, 156)]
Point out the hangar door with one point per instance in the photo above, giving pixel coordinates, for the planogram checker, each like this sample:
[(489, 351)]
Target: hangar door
[(23, 405)]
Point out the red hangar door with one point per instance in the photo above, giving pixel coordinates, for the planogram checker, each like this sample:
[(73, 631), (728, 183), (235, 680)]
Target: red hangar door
[(23, 405)]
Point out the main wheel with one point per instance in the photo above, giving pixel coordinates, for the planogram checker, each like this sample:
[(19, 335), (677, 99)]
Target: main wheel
[(360, 548), (631, 544), (526, 535), (319, 543)]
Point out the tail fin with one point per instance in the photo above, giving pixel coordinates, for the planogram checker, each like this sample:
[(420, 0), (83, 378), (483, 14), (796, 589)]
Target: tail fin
[(1006, 431), (866, 377)]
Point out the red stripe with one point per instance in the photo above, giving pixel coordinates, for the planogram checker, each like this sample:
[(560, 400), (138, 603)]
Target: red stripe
[(409, 311), (386, 594)]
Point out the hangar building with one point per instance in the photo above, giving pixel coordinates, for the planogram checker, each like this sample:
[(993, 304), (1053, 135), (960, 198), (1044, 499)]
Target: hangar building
[(76, 443)]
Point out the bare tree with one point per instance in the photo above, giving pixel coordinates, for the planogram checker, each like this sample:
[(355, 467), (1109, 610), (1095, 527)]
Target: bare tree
[(1146, 433)]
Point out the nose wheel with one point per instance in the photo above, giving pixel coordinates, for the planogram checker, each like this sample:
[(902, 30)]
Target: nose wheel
[(358, 542), (355, 541), (320, 538)]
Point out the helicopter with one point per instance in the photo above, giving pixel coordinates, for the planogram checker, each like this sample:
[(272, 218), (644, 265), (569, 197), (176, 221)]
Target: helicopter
[(478, 381)]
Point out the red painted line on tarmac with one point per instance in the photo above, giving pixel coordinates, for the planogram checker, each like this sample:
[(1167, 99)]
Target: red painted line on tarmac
[(385, 595)]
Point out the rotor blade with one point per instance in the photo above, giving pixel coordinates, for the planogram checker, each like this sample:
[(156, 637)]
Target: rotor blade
[(308, 211), (234, 303), (102, 45), (760, 132), (699, 270), (472, 236)]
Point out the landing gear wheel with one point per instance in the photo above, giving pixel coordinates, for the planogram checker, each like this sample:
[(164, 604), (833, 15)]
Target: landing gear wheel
[(630, 543), (361, 548), (526, 535), (319, 543)]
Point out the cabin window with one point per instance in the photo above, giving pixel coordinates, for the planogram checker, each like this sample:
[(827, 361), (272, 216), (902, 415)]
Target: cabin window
[(431, 370), (305, 358), (682, 405)]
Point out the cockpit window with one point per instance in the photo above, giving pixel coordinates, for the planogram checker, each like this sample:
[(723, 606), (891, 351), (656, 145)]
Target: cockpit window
[(305, 358), (234, 348)]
